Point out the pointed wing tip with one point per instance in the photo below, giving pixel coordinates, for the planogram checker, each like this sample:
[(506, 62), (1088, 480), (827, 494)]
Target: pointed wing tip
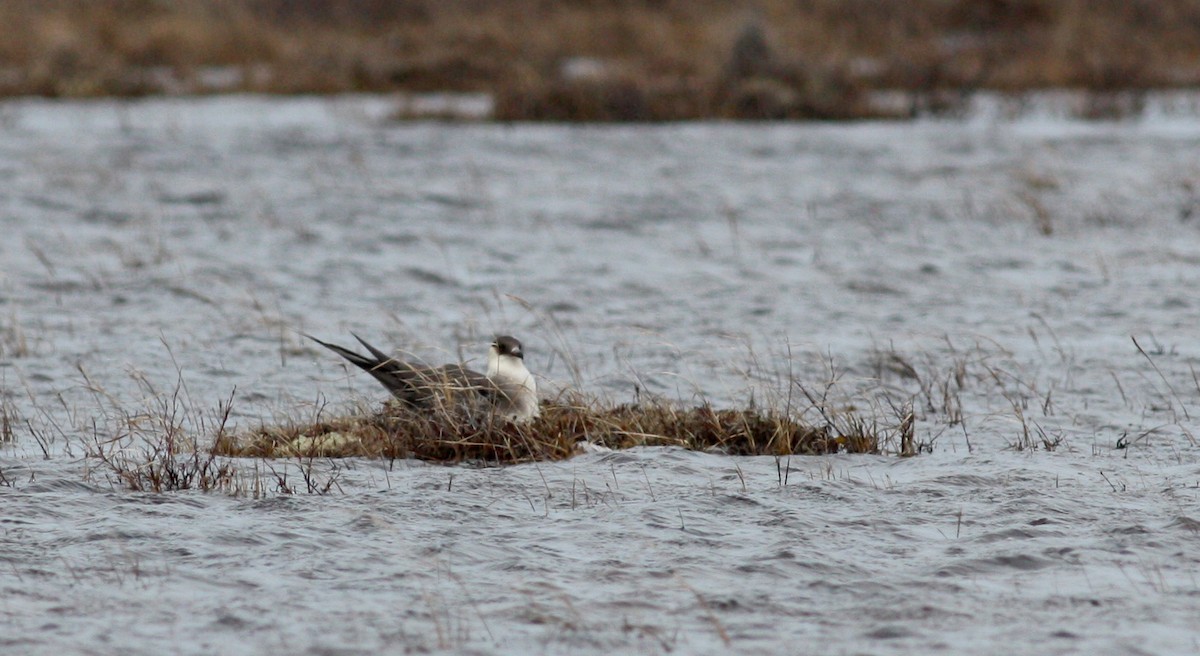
[(332, 347), (380, 355)]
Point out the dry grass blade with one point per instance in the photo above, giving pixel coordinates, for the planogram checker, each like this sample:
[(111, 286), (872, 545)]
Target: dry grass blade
[(1182, 405)]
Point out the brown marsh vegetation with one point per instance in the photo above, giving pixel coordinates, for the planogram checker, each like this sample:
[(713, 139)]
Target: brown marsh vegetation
[(166, 441), (399, 432), (168, 447), (604, 60)]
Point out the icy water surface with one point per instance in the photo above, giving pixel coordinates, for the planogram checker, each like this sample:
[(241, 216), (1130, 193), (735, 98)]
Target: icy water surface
[(166, 254)]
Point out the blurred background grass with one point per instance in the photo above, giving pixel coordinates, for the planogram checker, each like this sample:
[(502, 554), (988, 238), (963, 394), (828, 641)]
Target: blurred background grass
[(604, 59)]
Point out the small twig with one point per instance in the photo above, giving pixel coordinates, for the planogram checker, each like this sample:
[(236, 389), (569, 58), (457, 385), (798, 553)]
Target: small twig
[(1110, 484)]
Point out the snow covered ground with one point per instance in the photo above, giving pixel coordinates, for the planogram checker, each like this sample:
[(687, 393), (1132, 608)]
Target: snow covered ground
[(996, 269)]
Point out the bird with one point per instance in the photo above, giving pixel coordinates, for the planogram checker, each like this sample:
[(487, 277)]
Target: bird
[(508, 386)]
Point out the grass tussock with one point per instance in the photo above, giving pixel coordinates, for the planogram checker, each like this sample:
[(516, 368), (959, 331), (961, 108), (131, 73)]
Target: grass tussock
[(399, 432), (615, 60)]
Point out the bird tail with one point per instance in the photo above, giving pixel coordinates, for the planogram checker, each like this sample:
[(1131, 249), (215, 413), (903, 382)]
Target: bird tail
[(358, 360)]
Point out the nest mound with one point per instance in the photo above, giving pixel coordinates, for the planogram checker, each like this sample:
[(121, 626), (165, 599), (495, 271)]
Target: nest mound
[(397, 431)]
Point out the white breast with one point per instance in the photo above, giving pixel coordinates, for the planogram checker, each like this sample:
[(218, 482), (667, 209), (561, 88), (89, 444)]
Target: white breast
[(509, 374)]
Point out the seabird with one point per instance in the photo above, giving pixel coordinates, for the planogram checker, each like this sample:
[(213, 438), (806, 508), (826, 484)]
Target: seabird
[(508, 385)]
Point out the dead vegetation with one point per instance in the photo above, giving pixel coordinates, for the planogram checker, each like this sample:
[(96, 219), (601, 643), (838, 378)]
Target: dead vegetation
[(13, 342), (613, 60), (163, 440), (399, 432), (166, 446), (9, 418), (166, 449), (166, 442), (1021, 402)]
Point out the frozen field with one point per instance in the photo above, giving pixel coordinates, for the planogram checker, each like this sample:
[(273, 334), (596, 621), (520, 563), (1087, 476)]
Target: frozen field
[(993, 269)]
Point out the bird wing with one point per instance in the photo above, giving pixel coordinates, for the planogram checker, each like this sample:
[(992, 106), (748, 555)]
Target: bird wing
[(418, 384)]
